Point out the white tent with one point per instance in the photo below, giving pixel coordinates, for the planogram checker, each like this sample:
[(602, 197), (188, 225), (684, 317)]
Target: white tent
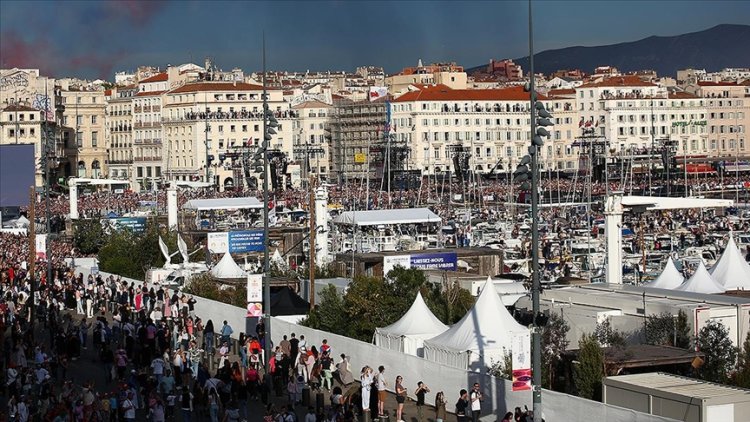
[(731, 270), (227, 268), (701, 282), (408, 333), (669, 278), (396, 216), (223, 204), (508, 290), (482, 337)]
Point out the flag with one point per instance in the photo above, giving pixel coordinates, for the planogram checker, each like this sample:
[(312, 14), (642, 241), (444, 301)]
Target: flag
[(597, 124), (588, 123), (580, 124), (377, 92)]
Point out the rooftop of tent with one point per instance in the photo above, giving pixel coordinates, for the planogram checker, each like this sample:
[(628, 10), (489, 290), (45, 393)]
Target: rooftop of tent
[(644, 356), (461, 252)]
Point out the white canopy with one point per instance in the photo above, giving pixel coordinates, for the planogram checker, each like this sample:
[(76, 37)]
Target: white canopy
[(397, 216), (508, 290), (223, 204), (701, 282), (731, 270), (669, 278), (483, 335), (227, 268), (408, 333)]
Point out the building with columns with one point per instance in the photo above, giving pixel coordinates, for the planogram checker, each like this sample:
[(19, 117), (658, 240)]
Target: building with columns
[(120, 132), (492, 125), (147, 132), (310, 138), (204, 121), (85, 112)]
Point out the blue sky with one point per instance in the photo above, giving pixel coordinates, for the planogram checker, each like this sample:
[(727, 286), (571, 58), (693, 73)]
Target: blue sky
[(95, 39)]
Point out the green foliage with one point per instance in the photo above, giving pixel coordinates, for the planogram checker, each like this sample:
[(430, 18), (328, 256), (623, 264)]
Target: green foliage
[(502, 369), (662, 328), (588, 372), (204, 285), (721, 355), (88, 236), (608, 336), (131, 255), (374, 302), (742, 377), (554, 343)]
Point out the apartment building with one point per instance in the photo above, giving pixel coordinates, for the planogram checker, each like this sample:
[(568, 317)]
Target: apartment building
[(355, 131), (309, 143), (120, 132), (85, 112)]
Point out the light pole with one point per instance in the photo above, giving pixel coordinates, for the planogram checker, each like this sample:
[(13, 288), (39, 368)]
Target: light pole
[(523, 174)]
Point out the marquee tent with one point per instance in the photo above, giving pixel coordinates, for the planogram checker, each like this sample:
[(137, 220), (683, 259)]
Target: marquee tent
[(286, 302), (408, 333), (670, 278), (483, 336), (385, 217), (701, 282), (227, 268), (731, 271), (223, 204)]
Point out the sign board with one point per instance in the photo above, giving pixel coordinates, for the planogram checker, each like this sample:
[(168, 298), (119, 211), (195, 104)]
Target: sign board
[(41, 246), (360, 158), (254, 310), (521, 360), (135, 224), (244, 241), (255, 287), (218, 242), (426, 261)]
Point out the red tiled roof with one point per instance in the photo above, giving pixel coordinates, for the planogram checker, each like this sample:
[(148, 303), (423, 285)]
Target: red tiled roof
[(708, 83), (443, 93), (107, 92), (681, 95), (217, 86), (19, 108), (159, 77), (625, 80), (554, 92), (312, 104), (149, 93)]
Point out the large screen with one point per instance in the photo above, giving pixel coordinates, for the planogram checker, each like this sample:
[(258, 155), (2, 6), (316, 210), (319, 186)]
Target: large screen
[(16, 174)]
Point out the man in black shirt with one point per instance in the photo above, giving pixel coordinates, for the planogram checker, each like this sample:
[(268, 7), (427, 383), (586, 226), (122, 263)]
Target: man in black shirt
[(422, 389)]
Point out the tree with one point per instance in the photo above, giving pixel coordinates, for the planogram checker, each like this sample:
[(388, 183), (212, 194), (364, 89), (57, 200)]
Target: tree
[(502, 369), (330, 314), (589, 370), (684, 340), (660, 329), (88, 236), (131, 255), (609, 336), (742, 378), (554, 343), (721, 355)]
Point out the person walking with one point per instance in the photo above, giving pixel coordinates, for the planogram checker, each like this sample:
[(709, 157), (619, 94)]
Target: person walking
[(400, 398), (421, 391), (440, 413), (476, 402)]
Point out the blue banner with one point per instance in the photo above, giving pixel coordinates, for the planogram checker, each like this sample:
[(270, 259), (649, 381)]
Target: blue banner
[(135, 224), (246, 241), (435, 261)]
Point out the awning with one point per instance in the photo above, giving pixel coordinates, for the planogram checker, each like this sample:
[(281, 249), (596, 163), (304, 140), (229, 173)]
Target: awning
[(223, 204), (385, 217)]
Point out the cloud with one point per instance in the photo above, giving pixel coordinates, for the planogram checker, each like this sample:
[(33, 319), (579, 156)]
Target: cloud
[(17, 51), (135, 12)]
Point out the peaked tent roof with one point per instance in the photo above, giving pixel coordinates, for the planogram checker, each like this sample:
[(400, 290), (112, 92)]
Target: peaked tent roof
[(701, 282), (731, 270), (418, 320), (227, 268), (670, 278), (287, 302), (487, 326), (223, 204), (395, 216)]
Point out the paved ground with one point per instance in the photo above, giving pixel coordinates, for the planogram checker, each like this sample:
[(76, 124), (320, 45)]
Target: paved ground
[(88, 369)]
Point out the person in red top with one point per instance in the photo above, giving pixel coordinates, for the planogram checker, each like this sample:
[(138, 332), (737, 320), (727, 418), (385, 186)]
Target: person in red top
[(325, 348)]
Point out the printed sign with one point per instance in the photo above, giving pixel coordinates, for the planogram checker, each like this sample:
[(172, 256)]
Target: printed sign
[(135, 224), (41, 246), (218, 242), (521, 361), (255, 287), (254, 310), (244, 241), (429, 261), (360, 158)]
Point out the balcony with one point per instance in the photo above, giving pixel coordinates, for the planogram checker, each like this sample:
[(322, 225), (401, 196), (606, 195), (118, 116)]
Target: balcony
[(141, 159)]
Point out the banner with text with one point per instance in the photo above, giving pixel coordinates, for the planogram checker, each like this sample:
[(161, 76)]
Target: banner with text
[(255, 287), (135, 224), (218, 242), (244, 241), (427, 261), (521, 360), (41, 246)]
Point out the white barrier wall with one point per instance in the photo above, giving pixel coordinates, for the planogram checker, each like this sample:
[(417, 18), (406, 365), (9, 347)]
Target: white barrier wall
[(498, 394)]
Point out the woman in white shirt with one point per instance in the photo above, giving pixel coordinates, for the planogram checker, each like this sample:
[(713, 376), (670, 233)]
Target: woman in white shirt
[(366, 378)]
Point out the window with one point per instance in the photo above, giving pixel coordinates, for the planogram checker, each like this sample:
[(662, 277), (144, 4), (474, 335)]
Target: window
[(79, 139), (94, 138), (93, 120), (79, 120), (157, 171)]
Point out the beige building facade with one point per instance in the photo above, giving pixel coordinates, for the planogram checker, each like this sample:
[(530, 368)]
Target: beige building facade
[(310, 143), (85, 112)]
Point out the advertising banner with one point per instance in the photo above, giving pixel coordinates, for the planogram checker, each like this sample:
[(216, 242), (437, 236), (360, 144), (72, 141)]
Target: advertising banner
[(254, 310), (360, 158), (218, 242), (244, 241), (427, 261), (41, 246), (135, 224), (255, 287), (521, 361)]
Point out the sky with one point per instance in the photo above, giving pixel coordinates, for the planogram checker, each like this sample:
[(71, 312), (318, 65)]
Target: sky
[(94, 39)]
